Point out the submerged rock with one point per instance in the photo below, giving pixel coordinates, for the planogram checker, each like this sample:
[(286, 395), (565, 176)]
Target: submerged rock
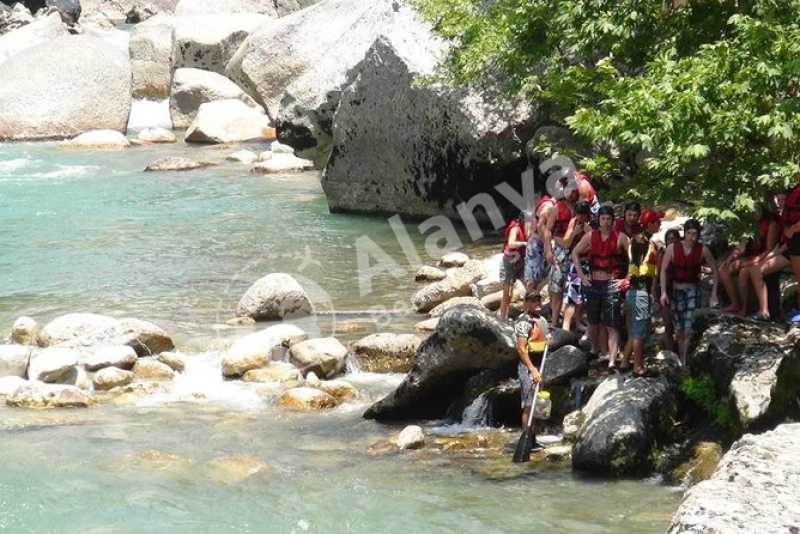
[(40, 395), (411, 437), (701, 464), (754, 489), (305, 399), (171, 163), (235, 469)]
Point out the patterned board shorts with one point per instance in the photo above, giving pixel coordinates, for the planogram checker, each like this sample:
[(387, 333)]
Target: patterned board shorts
[(638, 302), (557, 280), (684, 303), (603, 304), (535, 266), (511, 269), (573, 293)]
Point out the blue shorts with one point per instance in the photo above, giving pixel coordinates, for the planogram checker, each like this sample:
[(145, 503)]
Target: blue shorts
[(639, 302), (535, 266)]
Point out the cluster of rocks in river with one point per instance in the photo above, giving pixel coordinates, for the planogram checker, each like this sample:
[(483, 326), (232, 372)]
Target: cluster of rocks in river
[(336, 79)]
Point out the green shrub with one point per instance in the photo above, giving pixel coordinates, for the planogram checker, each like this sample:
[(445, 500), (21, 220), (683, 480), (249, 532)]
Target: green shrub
[(701, 391)]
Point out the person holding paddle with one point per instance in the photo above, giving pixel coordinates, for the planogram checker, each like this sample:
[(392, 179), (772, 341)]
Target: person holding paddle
[(533, 335)]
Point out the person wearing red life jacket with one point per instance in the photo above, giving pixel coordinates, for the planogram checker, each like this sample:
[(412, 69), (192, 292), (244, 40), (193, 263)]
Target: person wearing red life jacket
[(686, 259), (535, 266), (574, 297), (629, 224), (772, 261), (607, 250), (586, 191), (747, 253), (556, 252), (671, 236), (513, 260), (642, 270), (792, 234)]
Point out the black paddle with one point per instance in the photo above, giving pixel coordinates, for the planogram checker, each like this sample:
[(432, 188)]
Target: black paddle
[(523, 451)]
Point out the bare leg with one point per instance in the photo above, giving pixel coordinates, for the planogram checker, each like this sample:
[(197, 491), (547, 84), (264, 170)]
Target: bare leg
[(613, 345), (594, 336), (683, 345), (743, 283), (638, 350), (757, 274), (669, 332), (506, 301), (555, 307), (726, 276), (796, 270), (525, 413), (569, 312)]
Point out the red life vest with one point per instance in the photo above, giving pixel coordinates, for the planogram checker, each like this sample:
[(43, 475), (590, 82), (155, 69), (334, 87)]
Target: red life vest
[(544, 199), (619, 226), (605, 255), (791, 208), (686, 269), (585, 189), (759, 245), (511, 251), (563, 217)]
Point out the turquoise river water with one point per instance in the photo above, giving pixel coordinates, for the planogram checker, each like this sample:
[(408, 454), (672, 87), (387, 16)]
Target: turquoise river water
[(91, 232)]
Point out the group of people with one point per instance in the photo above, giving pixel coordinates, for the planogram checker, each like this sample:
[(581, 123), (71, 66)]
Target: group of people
[(592, 262)]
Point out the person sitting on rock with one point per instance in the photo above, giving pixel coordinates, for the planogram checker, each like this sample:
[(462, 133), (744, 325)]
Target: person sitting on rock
[(532, 335), (686, 259), (513, 260), (747, 253), (607, 250), (791, 228)]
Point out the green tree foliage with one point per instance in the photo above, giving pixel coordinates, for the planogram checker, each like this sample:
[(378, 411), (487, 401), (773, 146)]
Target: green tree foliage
[(690, 100)]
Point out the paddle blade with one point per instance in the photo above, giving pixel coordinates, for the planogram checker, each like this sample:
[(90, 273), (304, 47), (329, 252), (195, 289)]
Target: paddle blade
[(523, 451)]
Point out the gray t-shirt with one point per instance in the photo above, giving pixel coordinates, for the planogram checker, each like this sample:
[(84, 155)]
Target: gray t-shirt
[(524, 323)]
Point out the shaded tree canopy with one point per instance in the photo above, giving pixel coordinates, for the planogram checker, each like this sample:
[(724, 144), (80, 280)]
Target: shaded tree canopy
[(688, 100)]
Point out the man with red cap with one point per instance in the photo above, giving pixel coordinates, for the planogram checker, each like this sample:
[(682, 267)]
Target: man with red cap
[(642, 269)]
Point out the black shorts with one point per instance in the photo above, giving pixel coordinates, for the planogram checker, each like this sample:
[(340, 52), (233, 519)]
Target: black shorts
[(793, 247)]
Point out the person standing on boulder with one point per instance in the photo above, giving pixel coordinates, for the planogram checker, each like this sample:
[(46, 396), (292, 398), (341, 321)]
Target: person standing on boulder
[(686, 259), (556, 251), (532, 335), (513, 260), (607, 250)]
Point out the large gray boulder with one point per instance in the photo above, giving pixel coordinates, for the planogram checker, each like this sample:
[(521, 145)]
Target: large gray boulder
[(92, 84), (296, 67), (151, 58), (41, 30), (564, 363), (209, 42), (193, 87), (755, 364), (624, 427), (457, 283), (275, 8), (88, 330), (468, 340), (386, 353), (421, 150), (754, 489)]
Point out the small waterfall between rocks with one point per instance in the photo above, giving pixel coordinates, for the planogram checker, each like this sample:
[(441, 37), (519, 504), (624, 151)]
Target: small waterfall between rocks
[(477, 413)]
